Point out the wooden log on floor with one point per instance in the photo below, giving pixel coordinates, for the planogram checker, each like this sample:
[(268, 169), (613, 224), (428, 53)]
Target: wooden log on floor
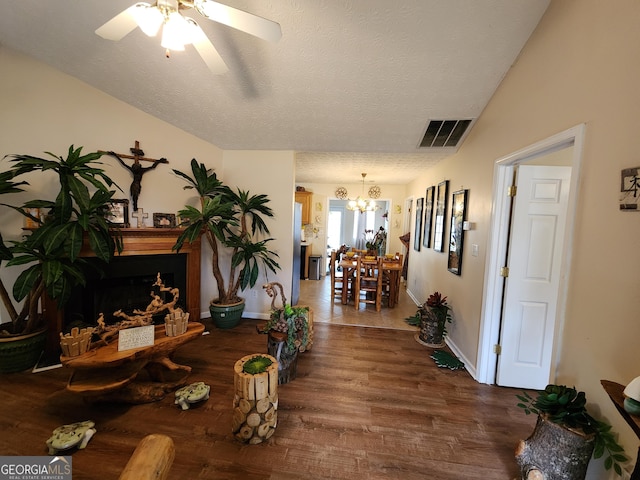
[(255, 402), (151, 460)]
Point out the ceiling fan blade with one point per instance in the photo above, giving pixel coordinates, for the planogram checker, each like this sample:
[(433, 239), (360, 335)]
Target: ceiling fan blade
[(206, 50), (119, 26), (240, 20)]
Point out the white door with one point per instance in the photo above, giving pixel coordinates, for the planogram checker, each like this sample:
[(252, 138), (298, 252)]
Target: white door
[(530, 303)]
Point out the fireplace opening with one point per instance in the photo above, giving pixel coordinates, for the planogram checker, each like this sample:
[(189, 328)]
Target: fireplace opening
[(127, 284)]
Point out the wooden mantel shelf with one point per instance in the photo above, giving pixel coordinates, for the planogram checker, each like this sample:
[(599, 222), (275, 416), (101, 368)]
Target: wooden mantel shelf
[(148, 241)]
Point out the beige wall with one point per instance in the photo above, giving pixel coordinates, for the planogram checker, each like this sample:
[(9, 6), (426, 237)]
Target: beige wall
[(42, 110), (270, 173), (582, 65)]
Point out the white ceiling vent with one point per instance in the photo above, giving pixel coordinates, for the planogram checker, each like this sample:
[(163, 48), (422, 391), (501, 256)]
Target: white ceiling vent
[(444, 133)]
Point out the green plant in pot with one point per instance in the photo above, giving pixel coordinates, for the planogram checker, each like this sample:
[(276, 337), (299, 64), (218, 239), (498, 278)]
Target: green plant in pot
[(432, 318), (50, 253), (288, 332), (566, 436), (233, 222)]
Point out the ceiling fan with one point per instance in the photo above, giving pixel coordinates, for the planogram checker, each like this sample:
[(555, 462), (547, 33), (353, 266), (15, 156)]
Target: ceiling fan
[(178, 30)]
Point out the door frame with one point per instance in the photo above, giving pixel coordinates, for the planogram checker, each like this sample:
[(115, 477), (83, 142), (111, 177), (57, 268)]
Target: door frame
[(497, 244)]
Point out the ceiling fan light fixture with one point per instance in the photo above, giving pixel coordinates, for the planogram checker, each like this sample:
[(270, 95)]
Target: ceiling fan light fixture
[(175, 33), (148, 18), (178, 31)]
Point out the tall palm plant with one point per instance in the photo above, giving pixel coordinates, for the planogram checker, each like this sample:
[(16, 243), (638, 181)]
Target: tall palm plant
[(228, 219), (52, 250)]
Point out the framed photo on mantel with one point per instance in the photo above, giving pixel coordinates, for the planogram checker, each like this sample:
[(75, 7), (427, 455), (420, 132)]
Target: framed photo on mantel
[(119, 213), (164, 220)]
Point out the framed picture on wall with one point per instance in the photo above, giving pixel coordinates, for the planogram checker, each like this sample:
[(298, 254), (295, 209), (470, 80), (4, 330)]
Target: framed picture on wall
[(456, 237), (418, 230), (440, 215), (428, 216)]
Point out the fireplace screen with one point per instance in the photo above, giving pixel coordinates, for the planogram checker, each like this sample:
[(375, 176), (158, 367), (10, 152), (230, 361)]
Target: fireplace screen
[(126, 285)]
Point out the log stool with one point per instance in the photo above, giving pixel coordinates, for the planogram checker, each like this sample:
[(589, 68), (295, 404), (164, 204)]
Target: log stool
[(255, 403)]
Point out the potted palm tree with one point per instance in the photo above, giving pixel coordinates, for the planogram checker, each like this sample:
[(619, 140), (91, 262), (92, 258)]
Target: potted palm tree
[(231, 220), (51, 251)]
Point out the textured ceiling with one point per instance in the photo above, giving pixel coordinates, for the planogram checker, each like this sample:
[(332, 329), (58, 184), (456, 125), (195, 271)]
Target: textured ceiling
[(351, 84)]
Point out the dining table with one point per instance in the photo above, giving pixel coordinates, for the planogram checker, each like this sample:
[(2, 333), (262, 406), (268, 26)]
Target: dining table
[(390, 267)]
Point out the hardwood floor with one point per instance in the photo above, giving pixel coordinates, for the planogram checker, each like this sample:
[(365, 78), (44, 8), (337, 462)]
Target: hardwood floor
[(367, 403)]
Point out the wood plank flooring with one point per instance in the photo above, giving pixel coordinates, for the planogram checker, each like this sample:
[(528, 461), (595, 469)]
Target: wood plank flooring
[(368, 403)]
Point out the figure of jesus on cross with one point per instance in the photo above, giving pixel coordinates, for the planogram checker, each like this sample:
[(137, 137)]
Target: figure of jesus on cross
[(137, 170)]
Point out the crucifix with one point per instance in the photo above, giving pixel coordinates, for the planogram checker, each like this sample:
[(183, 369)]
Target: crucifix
[(137, 169)]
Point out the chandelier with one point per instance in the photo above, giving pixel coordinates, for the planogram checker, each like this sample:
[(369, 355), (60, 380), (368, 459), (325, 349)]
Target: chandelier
[(360, 203)]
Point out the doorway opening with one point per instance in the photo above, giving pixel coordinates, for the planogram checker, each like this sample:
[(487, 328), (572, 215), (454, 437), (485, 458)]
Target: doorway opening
[(347, 227), (541, 153)]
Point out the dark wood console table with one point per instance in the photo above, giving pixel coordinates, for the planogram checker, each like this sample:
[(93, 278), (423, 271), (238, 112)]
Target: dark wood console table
[(105, 374), (615, 392)]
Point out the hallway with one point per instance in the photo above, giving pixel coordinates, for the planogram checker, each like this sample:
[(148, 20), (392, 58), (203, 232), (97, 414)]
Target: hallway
[(317, 294)]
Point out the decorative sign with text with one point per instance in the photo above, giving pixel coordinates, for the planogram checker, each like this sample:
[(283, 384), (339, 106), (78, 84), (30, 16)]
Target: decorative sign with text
[(136, 337)]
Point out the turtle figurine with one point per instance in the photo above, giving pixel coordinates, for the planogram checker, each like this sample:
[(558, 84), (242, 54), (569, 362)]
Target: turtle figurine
[(73, 435), (192, 393)]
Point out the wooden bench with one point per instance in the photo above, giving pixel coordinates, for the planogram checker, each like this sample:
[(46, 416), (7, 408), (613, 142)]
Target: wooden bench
[(105, 374)]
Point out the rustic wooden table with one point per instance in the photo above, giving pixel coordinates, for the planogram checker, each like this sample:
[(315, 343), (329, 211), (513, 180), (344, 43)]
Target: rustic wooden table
[(106, 374)]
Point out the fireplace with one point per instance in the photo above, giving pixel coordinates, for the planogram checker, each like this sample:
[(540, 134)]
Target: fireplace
[(128, 281), (126, 284)]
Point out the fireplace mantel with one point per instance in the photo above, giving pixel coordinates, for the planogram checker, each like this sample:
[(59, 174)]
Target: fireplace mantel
[(141, 241)]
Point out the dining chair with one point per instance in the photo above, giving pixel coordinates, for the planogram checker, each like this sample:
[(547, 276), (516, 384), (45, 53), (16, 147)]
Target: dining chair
[(368, 282), (337, 278), (391, 273)]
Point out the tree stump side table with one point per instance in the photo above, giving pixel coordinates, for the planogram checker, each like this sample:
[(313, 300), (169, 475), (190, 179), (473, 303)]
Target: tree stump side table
[(255, 402)]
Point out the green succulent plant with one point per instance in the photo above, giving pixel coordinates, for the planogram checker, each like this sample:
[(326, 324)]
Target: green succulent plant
[(566, 406), (255, 365), (294, 321)]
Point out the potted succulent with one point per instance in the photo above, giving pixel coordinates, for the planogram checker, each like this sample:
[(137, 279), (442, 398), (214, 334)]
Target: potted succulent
[(232, 220), (432, 318), (51, 250), (565, 438)]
